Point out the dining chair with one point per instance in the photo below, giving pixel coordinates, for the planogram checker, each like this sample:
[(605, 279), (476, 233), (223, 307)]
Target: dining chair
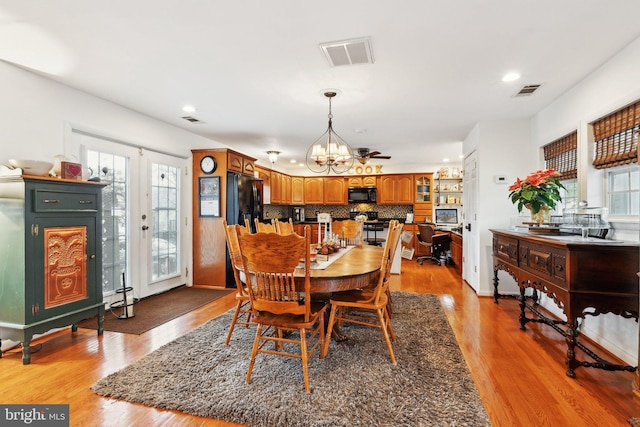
[(247, 224), (368, 307), (284, 228), (242, 313), (349, 232), (264, 227), (277, 305)]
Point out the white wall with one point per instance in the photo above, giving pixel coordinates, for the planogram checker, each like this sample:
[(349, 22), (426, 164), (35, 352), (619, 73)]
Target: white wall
[(503, 148)]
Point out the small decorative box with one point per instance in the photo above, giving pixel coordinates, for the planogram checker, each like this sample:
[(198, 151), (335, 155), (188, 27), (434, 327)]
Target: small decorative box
[(70, 170)]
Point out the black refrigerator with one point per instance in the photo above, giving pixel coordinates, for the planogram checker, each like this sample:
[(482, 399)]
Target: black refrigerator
[(244, 201)]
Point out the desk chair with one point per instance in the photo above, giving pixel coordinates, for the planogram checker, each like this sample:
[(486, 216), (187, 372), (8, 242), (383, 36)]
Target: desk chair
[(437, 243), (276, 305)]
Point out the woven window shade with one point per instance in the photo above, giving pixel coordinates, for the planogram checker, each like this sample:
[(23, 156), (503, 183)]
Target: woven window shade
[(562, 156), (616, 137)]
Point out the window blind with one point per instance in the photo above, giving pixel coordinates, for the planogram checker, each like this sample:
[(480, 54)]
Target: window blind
[(616, 137), (562, 154)]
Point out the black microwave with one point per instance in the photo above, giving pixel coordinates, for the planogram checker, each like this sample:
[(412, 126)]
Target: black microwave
[(362, 194)]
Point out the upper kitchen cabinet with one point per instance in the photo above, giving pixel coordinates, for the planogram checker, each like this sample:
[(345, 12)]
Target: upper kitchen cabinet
[(335, 191), (286, 189), (423, 196), (313, 191), (276, 188), (361, 181), (395, 189), (240, 163), (297, 190)]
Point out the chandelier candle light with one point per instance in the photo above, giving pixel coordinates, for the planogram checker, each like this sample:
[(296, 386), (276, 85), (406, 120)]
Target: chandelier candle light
[(330, 152), (539, 192)]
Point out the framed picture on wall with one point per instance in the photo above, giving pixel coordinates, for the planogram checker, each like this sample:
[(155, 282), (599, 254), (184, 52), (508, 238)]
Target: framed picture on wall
[(209, 196)]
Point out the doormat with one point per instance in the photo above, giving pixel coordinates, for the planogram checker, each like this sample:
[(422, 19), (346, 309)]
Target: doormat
[(157, 309)]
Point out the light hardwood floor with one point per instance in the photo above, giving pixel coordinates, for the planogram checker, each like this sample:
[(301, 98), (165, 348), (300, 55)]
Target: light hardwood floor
[(520, 375)]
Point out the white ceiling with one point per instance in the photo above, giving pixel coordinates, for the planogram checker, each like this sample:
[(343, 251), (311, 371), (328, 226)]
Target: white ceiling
[(255, 72)]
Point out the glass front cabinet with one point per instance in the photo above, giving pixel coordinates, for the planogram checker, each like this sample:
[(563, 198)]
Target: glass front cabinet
[(50, 256)]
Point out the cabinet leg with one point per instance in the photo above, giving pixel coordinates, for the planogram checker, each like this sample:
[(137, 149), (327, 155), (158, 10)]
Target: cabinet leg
[(74, 327), (26, 351), (100, 322), (496, 295), (523, 303), (571, 338), (0, 349)]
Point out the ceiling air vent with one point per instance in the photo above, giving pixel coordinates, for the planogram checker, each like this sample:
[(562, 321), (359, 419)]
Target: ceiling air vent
[(348, 52), (527, 90), (192, 119)]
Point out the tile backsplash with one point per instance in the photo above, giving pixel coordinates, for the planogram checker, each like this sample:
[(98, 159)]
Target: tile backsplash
[(339, 211)]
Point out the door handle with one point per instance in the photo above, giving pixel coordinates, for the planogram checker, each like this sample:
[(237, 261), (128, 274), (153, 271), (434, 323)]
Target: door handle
[(145, 227), (468, 227)]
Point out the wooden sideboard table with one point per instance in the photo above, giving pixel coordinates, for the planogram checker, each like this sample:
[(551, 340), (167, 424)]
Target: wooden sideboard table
[(582, 277)]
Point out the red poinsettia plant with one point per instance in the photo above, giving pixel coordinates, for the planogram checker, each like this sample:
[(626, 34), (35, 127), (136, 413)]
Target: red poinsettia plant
[(541, 188)]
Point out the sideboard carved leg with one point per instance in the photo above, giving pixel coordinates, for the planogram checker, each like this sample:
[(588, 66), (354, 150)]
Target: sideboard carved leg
[(571, 339), (523, 303), (496, 295)]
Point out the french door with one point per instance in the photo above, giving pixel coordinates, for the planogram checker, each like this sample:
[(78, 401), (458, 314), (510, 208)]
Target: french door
[(142, 232)]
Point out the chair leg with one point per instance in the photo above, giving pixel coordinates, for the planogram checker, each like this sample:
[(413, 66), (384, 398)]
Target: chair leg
[(386, 335), (305, 358), (327, 339), (389, 306), (233, 322), (254, 351), (389, 327)]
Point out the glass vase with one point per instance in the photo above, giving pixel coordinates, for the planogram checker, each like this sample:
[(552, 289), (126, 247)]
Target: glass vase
[(543, 216)]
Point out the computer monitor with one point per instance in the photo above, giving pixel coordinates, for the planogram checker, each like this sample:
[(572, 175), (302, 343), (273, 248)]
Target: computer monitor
[(446, 217)]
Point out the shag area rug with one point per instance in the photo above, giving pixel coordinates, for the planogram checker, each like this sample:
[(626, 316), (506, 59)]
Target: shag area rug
[(355, 385), (157, 309)]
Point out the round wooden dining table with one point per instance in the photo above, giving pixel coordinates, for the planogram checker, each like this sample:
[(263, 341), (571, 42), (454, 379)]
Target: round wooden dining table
[(358, 268)]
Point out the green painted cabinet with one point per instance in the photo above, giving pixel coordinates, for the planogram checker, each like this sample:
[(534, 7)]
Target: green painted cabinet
[(50, 256)]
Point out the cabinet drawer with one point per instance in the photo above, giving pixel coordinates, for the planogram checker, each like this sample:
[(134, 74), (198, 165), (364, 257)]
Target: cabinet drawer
[(506, 248), (64, 201), (548, 261)]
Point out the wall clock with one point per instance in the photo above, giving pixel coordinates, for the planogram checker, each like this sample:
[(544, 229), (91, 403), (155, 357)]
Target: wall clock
[(208, 164)]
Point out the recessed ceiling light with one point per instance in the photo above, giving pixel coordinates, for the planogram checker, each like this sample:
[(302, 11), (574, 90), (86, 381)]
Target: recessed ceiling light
[(461, 156), (445, 160), (510, 77), (189, 109), (359, 130), (293, 160)]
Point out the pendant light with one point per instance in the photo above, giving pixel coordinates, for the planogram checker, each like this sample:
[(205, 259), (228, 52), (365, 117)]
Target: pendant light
[(330, 152)]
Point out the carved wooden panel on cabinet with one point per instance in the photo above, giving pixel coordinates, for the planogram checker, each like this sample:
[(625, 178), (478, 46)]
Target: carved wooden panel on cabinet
[(335, 191), (297, 190), (235, 162), (313, 191)]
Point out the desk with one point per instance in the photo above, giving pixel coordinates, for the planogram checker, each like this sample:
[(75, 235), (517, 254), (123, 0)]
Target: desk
[(358, 268), (582, 278)]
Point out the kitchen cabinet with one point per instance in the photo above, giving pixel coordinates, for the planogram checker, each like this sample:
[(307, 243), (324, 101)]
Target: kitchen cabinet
[(51, 260), (456, 251), (286, 189), (297, 190), (335, 191), (276, 188), (361, 181), (313, 191), (240, 163), (422, 193), (395, 189)]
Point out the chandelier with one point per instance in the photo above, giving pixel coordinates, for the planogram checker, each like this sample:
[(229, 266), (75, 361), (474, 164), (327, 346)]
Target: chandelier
[(330, 152)]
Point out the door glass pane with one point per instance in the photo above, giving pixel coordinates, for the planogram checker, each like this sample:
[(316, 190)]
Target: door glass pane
[(165, 233), (112, 170)]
